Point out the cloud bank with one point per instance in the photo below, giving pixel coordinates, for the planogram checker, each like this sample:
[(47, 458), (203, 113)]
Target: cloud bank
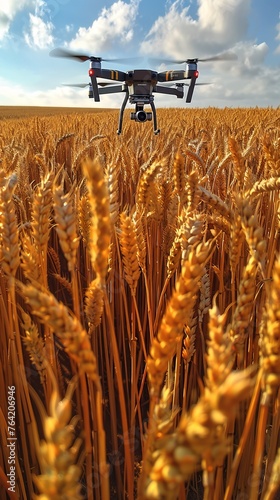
[(114, 25), (8, 10)]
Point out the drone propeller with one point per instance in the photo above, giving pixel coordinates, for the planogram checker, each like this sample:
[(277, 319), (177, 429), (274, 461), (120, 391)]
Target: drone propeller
[(83, 85), (80, 85), (106, 84), (225, 56), (84, 57), (184, 84)]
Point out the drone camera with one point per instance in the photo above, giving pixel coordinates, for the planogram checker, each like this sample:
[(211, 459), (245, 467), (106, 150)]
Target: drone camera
[(141, 116)]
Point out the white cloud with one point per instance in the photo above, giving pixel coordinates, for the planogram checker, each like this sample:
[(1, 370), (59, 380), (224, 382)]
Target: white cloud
[(69, 28), (278, 37), (16, 95), (218, 26), (255, 55), (115, 24), (40, 35), (8, 11)]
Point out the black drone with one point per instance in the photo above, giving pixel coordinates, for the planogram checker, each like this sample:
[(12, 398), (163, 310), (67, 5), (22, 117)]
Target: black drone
[(139, 85)]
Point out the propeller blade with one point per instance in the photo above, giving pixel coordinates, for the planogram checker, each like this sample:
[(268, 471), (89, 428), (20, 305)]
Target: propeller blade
[(66, 53), (81, 85), (185, 84), (224, 56), (173, 84), (103, 84)]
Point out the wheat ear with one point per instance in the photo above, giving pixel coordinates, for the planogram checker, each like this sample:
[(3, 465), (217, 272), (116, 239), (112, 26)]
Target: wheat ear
[(129, 249), (199, 438), (34, 345), (84, 218), (219, 353), (237, 330), (40, 222), (274, 483), (9, 247), (29, 260), (179, 176), (263, 186), (65, 219), (164, 474), (100, 229), (215, 202), (238, 161), (252, 229), (145, 183), (270, 368), (270, 337), (65, 326), (204, 428), (177, 314), (94, 304), (58, 453)]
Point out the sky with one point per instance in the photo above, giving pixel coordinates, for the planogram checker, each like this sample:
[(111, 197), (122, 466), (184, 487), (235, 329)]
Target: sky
[(30, 29)]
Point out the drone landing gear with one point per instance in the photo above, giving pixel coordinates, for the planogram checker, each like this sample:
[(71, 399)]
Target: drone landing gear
[(119, 131), (139, 115), (156, 130)]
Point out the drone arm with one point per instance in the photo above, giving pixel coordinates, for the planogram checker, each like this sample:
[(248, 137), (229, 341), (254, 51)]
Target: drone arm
[(191, 89), (111, 90), (171, 76), (119, 131), (95, 88), (167, 90), (111, 74)]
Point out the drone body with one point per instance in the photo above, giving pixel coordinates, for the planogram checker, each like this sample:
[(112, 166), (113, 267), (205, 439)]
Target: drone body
[(139, 85)]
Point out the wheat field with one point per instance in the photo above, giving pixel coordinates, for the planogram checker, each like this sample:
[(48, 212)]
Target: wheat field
[(140, 305)]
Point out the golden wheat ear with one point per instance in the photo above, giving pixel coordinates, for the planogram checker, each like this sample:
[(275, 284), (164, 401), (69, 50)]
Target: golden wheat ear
[(65, 325), (94, 304), (65, 218), (100, 229), (9, 238), (129, 248), (59, 451), (177, 314)]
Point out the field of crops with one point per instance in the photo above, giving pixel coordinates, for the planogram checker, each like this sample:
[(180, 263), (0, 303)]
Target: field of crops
[(140, 305)]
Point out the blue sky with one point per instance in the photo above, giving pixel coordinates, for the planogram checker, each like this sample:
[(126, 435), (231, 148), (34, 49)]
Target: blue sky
[(179, 29)]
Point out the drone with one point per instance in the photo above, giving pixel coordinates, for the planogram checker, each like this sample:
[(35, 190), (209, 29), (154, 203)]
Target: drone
[(139, 85)]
